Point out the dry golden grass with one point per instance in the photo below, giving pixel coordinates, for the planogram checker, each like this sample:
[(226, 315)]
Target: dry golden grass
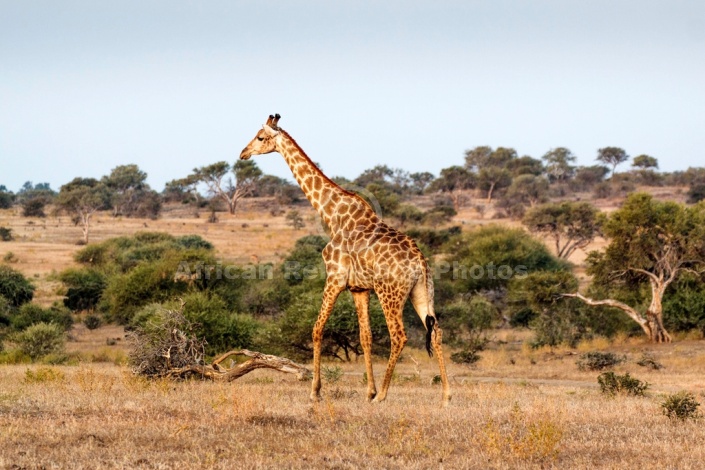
[(100, 416), (516, 408)]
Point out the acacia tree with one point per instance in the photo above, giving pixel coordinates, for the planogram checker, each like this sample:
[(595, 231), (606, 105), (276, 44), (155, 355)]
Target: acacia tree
[(221, 186), (454, 181), (651, 244), (644, 162), (558, 164), (612, 156), (82, 198), (571, 225), (131, 196), (528, 189), (491, 167)]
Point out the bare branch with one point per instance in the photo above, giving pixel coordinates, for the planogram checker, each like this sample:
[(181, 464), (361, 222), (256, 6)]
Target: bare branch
[(633, 314)]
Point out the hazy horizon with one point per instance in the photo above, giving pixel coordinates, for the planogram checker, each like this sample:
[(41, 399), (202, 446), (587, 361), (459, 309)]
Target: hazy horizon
[(170, 86)]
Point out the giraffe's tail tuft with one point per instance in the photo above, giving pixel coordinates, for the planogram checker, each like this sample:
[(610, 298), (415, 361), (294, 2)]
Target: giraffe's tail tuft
[(430, 322)]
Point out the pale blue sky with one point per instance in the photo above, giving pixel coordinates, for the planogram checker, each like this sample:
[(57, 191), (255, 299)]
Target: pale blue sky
[(171, 85)]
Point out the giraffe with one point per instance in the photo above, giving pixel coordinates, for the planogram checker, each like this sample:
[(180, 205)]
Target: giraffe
[(364, 254)]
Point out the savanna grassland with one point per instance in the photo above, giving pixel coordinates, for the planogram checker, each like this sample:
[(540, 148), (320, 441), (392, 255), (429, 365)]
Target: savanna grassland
[(517, 407)]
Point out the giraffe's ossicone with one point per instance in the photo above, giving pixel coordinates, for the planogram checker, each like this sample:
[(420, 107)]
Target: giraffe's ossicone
[(364, 254)]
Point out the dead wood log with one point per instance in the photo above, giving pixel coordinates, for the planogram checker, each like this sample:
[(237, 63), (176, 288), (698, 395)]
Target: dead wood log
[(216, 371)]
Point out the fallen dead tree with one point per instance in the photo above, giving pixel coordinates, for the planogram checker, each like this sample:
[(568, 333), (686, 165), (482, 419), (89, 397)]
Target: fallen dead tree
[(168, 345), (216, 371)]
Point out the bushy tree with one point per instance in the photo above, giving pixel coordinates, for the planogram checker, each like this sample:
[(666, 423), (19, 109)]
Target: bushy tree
[(491, 167), (525, 190), (587, 177), (84, 288), (651, 244), (553, 318), (82, 198), (454, 181), (33, 198), (131, 196), (341, 337), (7, 199), (526, 165), (40, 340), (30, 314), (612, 156), (645, 162), (488, 257), (222, 186), (684, 304), (558, 163), (571, 225), (14, 287)]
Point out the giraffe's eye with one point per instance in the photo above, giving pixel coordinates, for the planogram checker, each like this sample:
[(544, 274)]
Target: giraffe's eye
[(260, 139)]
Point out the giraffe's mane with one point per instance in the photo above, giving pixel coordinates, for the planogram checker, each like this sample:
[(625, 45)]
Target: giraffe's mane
[(325, 177)]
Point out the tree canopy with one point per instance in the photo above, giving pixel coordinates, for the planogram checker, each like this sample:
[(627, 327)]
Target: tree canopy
[(651, 242)]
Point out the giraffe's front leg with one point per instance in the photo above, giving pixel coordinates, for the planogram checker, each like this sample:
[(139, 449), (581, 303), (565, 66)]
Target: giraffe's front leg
[(362, 302), (330, 294)]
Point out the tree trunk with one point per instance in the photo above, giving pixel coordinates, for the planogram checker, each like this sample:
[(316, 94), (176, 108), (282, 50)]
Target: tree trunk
[(489, 192), (654, 315), (86, 219)]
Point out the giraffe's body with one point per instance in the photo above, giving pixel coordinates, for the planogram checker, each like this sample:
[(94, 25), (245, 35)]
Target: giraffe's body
[(363, 255)]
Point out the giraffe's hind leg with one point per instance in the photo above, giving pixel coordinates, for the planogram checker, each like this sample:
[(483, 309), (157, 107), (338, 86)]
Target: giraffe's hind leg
[(362, 303), (392, 304), (331, 292)]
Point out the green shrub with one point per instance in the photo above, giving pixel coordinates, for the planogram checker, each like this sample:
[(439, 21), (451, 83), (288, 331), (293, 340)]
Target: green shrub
[(122, 254), (681, 406), (462, 320), (332, 374), (92, 322), (433, 239), (85, 288), (6, 199), (6, 234), (596, 360), (210, 318), (341, 336), (466, 356), (31, 314), (153, 281), (194, 242), (14, 286), (33, 207), (488, 258), (40, 340), (612, 384)]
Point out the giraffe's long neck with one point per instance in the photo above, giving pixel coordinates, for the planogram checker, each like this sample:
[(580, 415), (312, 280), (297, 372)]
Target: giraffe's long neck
[(324, 195)]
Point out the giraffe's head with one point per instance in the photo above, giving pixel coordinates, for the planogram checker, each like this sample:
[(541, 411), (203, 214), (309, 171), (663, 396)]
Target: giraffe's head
[(264, 141)]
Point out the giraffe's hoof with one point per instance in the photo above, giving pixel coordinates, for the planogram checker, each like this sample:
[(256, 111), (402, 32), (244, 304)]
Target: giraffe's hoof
[(315, 397), (371, 396)]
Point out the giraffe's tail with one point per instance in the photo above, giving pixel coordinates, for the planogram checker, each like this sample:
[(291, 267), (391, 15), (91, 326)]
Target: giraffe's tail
[(422, 298), (430, 322)]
